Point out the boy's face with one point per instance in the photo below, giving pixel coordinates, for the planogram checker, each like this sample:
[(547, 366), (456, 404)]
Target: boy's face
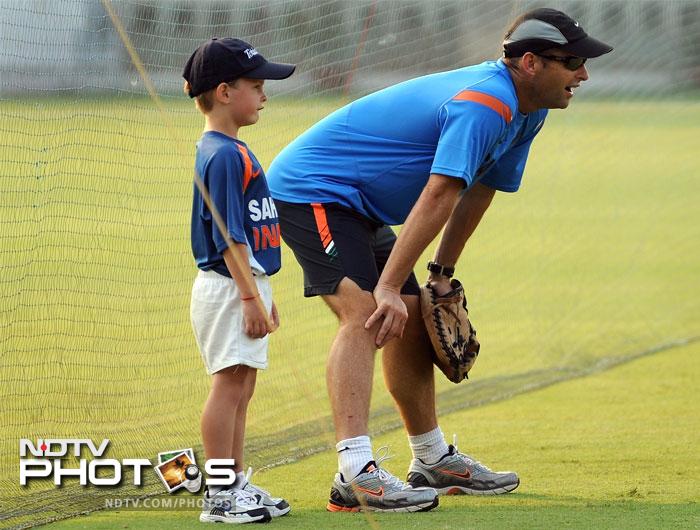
[(247, 99)]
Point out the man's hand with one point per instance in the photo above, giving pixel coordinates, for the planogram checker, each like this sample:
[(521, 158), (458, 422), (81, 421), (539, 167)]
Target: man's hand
[(441, 284), (254, 318), (391, 308)]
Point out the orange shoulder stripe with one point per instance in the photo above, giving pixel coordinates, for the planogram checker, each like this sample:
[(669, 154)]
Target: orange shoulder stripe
[(491, 102), (247, 166)]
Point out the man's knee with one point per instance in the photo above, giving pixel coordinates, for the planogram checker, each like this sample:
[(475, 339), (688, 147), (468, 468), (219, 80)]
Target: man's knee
[(350, 303), (414, 332)]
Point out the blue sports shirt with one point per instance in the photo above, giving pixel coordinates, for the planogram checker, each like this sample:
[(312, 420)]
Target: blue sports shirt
[(376, 154), (237, 186)]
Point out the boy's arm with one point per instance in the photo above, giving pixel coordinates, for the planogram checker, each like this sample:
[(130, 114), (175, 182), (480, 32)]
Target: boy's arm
[(255, 318)]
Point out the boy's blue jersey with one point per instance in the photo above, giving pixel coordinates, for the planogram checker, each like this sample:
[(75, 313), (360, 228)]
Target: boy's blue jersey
[(375, 155), (237, 186)]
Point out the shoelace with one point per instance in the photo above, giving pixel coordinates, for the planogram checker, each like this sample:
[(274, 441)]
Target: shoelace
[(470, 461), (381, 455), (256, 489), (242, 495)]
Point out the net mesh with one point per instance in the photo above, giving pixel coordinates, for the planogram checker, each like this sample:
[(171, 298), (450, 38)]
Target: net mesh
[(593, 262)]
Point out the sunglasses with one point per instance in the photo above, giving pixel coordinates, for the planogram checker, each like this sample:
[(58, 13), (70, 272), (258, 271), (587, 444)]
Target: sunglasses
[(570, 62)]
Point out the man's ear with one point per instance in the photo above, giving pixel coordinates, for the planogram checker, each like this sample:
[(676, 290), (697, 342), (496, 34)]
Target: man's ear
[(528, 63)]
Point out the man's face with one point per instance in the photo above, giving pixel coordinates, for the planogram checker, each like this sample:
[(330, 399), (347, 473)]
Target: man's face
[(555, 84)]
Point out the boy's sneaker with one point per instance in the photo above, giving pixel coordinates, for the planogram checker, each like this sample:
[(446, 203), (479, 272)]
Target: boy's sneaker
[(275, 505), (375, 489), (458, 474), (233, 506)]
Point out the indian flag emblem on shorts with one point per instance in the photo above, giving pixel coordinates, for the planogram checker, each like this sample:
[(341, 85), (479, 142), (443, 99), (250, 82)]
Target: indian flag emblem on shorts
[(331, 250)]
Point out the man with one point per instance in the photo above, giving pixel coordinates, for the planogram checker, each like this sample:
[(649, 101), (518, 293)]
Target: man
[(429, 153)]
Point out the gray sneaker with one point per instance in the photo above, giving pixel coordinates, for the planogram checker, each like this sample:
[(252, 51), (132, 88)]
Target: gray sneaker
[(233, 506), (275, 505), (459, 474), (375, 489)]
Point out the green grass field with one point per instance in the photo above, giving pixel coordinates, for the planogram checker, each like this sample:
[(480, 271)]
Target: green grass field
[(615, 450), (594, 261)]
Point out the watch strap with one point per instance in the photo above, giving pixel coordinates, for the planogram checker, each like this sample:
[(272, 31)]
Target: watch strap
[(442, 270)]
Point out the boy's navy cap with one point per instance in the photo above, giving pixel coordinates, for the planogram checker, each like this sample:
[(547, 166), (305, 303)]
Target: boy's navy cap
[(545, 28), (223, 60)]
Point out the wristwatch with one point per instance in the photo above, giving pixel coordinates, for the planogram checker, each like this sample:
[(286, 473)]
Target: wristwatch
[(436, 268)]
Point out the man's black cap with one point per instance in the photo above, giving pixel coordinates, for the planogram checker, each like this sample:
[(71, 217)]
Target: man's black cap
[(542, 29), (223, 60)]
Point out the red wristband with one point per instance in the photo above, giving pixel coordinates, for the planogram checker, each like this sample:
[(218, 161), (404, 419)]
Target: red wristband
[(247, 298)]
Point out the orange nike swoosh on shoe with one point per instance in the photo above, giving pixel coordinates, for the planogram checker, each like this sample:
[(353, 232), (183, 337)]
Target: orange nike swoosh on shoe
[(375, 493), (255, 174), (456, 474)]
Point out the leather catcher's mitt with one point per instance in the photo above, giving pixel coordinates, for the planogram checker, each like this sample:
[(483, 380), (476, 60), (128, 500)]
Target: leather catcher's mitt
[(446, 318)]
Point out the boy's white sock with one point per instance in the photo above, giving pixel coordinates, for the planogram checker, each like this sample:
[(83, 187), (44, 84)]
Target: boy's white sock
[(213, 490), (239, 483), (430, 446), (353, 454)]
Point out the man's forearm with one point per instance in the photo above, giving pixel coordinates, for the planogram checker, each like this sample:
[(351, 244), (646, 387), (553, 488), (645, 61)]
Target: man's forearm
[(461, 225), (424, 222)]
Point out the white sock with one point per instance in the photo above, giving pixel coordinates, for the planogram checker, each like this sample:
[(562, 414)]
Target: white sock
[(240, 480), (353, 455), (430, 446), (213, 490)]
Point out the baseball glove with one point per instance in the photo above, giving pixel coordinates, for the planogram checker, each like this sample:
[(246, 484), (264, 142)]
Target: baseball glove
[(446, 318)]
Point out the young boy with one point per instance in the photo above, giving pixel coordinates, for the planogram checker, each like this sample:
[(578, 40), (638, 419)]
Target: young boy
[(232, 309)]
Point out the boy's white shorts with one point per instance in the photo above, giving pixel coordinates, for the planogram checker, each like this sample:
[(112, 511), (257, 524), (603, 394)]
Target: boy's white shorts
[(217, 320)]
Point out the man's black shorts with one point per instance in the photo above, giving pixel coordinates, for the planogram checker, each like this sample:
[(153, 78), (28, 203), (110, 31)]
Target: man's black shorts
[(331, 242)]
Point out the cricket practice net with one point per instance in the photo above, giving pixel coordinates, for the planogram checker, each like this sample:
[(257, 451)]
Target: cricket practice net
[(594, 262)]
